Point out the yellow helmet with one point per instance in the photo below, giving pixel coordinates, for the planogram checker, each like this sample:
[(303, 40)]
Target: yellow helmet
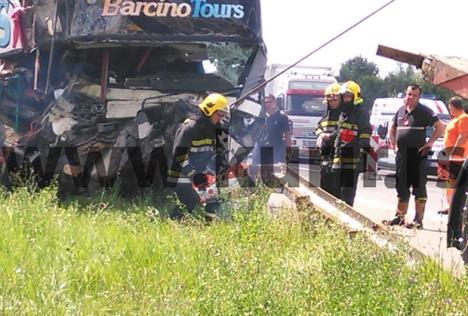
[(353, 88), (212, 103), (334, 88)]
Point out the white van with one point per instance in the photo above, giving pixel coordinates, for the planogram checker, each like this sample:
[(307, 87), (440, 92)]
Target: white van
[(383, 111)]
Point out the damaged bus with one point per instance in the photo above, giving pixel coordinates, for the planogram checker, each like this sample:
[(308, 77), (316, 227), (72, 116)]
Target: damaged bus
[(93, 90)]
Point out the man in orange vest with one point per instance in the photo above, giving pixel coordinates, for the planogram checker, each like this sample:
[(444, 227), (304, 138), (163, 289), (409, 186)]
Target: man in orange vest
[(456, 147)]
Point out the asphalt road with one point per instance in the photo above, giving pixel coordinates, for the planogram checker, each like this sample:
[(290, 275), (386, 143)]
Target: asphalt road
[(380, 192)]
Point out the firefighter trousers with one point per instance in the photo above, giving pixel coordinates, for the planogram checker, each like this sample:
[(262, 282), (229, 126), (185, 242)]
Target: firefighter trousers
[(346, 182), (187, 196), (190, 199), (328, 181)]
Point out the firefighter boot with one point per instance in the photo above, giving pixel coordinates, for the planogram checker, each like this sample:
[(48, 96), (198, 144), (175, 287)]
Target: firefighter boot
[(420, 206), (211, 210), (399, 219)]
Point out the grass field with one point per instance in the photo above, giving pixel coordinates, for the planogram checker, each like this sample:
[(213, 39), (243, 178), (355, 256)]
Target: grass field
[(106, 256)]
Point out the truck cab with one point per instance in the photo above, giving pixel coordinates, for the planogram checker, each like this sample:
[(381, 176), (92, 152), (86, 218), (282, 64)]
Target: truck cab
[(304, 106), (300, 93)]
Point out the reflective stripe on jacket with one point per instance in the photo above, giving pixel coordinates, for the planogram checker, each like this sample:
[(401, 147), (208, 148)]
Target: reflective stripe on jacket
[(352, 134), (193, 150), (328, 124)]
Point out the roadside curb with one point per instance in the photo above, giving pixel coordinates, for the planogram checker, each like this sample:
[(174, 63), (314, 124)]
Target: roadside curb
[(308, 197)]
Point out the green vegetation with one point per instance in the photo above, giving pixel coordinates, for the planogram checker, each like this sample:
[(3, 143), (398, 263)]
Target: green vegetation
[(373, 86), (94, 257)]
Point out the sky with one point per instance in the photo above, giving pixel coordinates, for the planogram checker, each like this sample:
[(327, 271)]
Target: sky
[(294, 28)]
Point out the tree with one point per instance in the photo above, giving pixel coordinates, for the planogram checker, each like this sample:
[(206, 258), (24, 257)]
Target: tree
[(372, 87), (357, 67), (365, 74), (397, 81)]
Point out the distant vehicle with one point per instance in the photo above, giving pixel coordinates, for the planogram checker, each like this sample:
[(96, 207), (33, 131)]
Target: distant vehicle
[(384, 110), (300, 92)]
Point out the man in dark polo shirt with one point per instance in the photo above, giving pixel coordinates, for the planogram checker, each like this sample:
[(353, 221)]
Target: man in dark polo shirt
[(271, 148), (407, 137), (278, 130), (278, 135)]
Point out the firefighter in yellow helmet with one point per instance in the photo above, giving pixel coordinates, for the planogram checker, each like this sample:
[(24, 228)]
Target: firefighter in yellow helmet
[(352, 139), (326, 137), (352, 91), (194, 154)]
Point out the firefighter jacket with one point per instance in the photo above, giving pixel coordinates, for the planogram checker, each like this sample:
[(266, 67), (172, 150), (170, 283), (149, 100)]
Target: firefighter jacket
[(193, 150), (328, 124), (351, 137)]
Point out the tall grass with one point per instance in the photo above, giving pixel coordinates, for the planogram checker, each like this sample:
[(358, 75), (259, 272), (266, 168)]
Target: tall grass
[(105, 256)]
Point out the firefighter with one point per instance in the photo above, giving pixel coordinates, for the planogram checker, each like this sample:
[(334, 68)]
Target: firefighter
[(194, 154), (352, 138), (325, 139)]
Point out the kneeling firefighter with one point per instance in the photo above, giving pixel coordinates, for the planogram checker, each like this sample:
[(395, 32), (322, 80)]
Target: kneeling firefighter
[(326, 137), (194, 155), (351, 141)]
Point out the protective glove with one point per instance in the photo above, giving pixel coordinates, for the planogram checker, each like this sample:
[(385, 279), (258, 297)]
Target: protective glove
[(323, 139)]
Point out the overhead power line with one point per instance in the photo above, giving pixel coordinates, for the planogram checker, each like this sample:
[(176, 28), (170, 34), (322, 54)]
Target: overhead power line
[(264, 83)]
